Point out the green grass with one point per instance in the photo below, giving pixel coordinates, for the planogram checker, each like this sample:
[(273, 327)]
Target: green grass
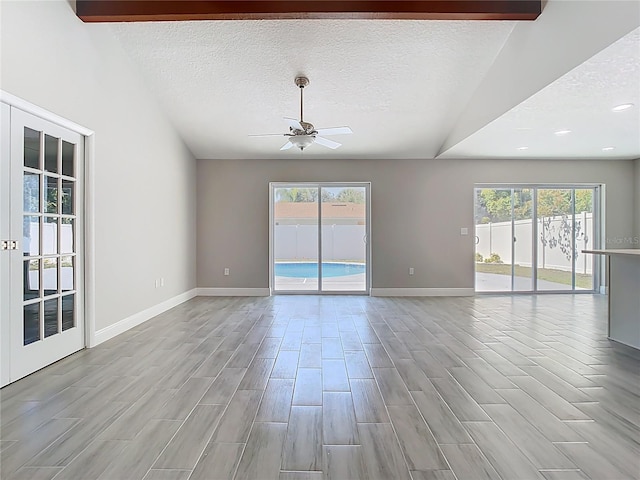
[(551, 275)]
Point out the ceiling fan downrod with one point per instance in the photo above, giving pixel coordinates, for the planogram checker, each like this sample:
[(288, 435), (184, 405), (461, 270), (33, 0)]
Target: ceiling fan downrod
[(301, 82)]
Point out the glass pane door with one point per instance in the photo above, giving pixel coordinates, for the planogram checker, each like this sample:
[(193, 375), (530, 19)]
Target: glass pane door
[(522, 240), (295, 238), (531, 239), (585, 236), (5, 253), (344, 238), (494, 239), (566, 226), (319, 241), (45, 217), (556, 245)]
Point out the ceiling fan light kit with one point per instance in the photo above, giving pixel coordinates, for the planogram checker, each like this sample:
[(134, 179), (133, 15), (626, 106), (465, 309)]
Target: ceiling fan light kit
[(302, 134), (299, 141)]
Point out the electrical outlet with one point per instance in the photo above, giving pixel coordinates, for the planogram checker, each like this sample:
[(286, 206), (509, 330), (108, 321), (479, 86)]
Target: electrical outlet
[(411, 271), (464, 231), (226, 271)]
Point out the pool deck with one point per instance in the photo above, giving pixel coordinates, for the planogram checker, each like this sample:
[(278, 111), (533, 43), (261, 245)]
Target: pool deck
[(346, 283), (485, 282)]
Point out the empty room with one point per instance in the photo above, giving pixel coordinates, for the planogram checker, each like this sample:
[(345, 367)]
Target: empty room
[(314, 239)]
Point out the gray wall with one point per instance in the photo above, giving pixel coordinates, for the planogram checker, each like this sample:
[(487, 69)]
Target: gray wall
[(411, 224), (144, 175), (637, 199)]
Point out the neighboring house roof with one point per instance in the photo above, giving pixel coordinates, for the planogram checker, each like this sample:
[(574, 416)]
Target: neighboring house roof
[(310, 210)]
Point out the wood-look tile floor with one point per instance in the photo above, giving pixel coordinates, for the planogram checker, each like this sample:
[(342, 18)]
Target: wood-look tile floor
[(308, 387)]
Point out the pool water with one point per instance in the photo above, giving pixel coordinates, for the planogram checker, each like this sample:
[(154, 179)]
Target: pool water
[(310, 270)]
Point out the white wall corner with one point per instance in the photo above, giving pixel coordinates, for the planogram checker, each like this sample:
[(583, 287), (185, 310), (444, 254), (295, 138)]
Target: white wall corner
[(136, 319), (422, 292), (233, 292)]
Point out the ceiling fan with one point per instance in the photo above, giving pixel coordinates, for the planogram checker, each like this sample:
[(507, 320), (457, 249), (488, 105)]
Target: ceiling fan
[(302, 134)]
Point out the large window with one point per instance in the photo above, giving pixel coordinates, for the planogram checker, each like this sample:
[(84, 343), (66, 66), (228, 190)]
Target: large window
[(530, 238)]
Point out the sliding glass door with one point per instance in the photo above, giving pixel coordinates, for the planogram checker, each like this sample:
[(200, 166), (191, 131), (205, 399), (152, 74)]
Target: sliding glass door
[(522, 220), (566, 227), (319, 239), (531, 238), (494, 235), (295, 241)]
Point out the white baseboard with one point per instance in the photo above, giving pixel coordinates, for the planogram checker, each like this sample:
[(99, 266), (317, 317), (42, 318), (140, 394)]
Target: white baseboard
[(136, 319), (422, 292), (631, 345), (233, 292)]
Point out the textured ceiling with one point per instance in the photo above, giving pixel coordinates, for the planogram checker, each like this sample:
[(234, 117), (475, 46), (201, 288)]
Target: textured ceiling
[(402, 86), (580, 101)]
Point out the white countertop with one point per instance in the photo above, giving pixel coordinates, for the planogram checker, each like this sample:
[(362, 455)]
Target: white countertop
[(619, 251)]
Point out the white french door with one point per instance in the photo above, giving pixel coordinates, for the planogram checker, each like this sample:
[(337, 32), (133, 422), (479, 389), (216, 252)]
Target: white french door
[(41, 299)]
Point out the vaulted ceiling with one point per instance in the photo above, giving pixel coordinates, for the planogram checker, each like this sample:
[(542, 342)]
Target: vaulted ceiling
[(407, 88)]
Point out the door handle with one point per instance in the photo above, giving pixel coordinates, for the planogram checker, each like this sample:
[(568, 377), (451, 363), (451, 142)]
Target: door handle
[(477, 239), (5, 245)]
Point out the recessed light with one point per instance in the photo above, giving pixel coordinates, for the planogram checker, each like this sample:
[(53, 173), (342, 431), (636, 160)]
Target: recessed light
[(561, 133), (624, 106), (608, 149), (523, 148)]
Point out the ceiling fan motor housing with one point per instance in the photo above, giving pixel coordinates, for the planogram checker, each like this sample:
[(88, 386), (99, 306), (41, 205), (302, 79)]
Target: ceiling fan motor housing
[(308, 129)]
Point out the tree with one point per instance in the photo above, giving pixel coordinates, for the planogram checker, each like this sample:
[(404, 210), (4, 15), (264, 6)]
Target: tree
[(327, 195), (584, 200), (306, 195), (351, 195), (495, 205), (299, 195), (554, 202)]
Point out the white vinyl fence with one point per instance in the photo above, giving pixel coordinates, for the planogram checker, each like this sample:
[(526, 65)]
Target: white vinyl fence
[(496, 238), (339, 242), (49, 244)]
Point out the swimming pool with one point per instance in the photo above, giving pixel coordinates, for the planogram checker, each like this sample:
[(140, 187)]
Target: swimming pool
[(310, 270)]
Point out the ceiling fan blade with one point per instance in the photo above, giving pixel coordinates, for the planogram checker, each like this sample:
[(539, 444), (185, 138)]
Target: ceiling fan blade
[(327, 143), (293, 123), (334, 131), (287, 146), (269, 135)]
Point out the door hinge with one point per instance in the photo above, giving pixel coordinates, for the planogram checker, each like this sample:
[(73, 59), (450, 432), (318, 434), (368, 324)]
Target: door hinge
[(9, 245)]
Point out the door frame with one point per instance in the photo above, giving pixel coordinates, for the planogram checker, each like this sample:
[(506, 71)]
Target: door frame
[(319, 291), (88, 201), (598, 228)]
